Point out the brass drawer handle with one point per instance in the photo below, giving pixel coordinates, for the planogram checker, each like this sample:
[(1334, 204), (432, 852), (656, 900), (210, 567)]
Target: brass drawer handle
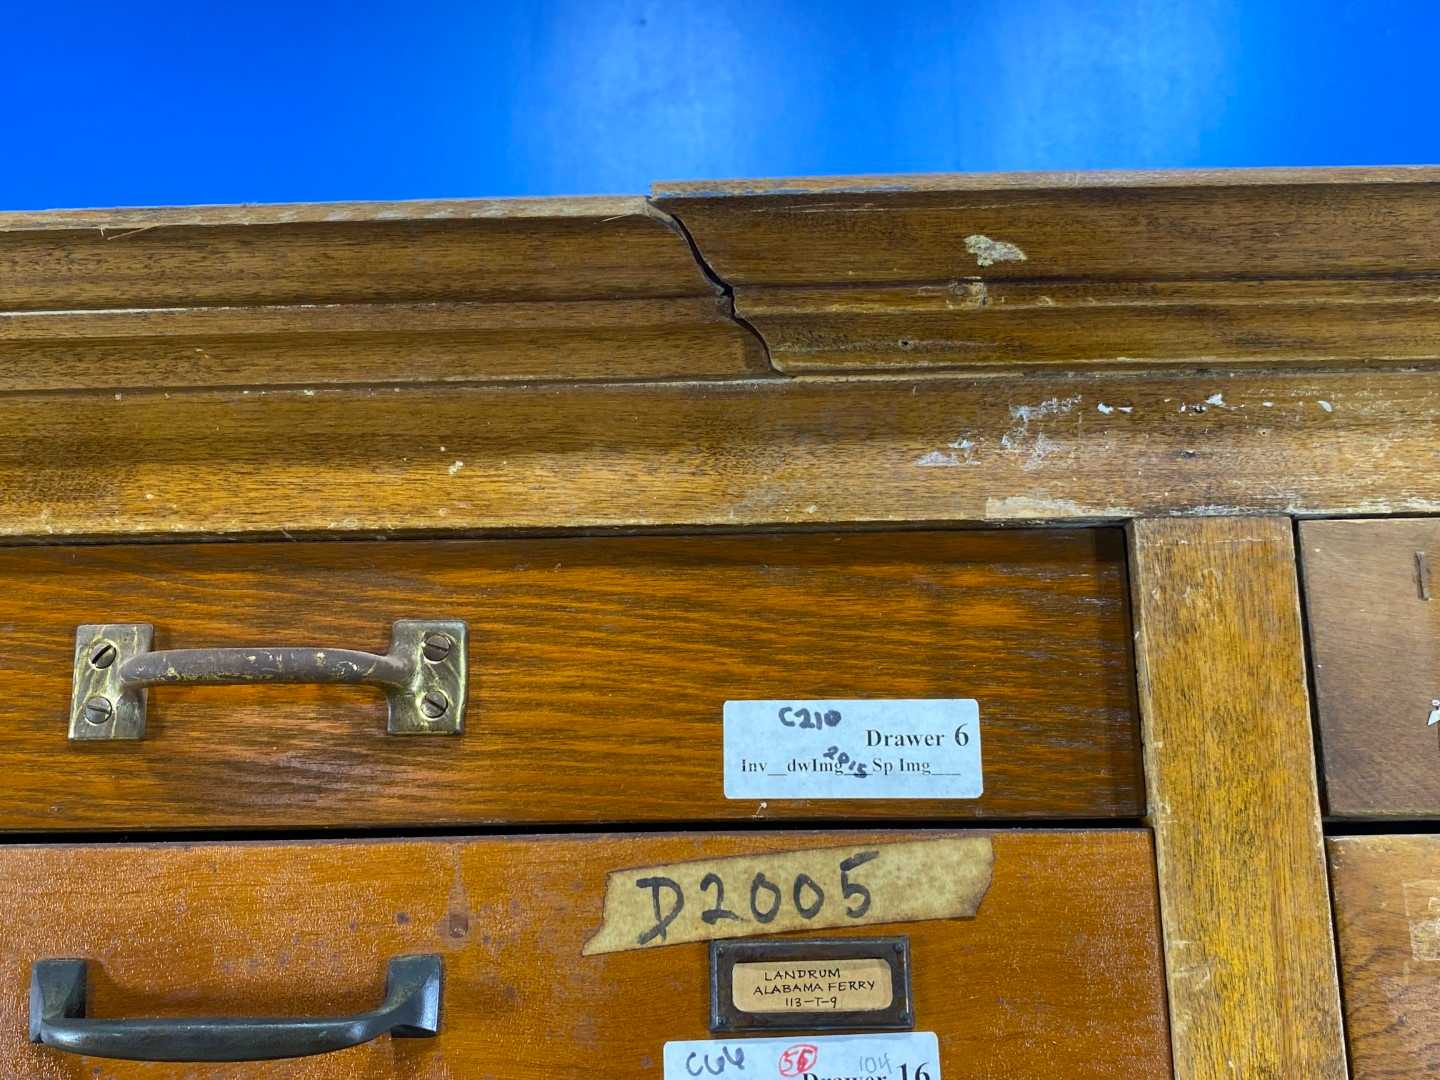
[(411, 1010), (423, 675)]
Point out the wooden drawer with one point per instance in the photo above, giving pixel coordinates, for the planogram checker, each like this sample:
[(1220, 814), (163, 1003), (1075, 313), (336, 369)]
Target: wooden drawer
[(1060, 967), (1387, 917), (598, 670), (1373, 594)]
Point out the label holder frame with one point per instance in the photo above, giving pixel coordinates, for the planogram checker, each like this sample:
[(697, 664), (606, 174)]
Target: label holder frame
[(726, 1017)]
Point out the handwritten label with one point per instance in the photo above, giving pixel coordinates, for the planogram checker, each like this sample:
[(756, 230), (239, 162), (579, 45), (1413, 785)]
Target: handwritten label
[(813, 889), (912, 1055), (893, 748), (799, 986)]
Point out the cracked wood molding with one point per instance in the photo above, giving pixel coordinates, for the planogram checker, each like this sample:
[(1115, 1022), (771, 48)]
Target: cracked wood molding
[(483, 290), (990, 273)]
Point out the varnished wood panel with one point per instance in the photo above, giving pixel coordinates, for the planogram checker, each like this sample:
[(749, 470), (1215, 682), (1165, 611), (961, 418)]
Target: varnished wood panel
[(598, 671), (1250, 960), (689, 337), (968, 325), (1373, 595), (359, 293), (1178, 225), (1387, 916), (726, 454), (1061, 964), (493, 249), (1115, 270)]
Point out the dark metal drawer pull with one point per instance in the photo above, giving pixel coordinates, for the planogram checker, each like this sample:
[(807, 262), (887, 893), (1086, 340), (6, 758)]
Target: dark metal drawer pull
[(423, 675), (411, 1010)]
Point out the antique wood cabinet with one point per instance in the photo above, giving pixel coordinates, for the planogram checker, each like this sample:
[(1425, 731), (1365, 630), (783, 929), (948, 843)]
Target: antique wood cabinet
[(383, 587)]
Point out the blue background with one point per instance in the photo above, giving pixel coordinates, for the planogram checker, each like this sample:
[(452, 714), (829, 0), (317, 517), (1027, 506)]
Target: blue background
[(146, 103)]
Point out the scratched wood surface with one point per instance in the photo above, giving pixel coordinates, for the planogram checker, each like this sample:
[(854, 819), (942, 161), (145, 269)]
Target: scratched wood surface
[(1126, 270), (969, 325), (1372, 589), (484, 290), (598, 669), (1387, 917), (294, 929), (1229, 764), (732, 453)]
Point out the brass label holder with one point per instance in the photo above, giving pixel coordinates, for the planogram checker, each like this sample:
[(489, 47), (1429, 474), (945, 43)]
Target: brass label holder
[(815, 984)]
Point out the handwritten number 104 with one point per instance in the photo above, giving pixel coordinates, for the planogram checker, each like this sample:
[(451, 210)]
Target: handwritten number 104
[(766, 898)]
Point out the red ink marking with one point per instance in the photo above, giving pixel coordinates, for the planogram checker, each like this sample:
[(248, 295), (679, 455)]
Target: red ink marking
[(798, 1058)]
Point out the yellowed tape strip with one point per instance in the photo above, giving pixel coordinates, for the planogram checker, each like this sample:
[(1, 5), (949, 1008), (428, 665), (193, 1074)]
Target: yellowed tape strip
[(819, 888)]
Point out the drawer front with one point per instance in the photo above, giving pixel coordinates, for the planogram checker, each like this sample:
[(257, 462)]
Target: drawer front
[(598, 668), (1387, 918), (1373, 595), (1061, 963)]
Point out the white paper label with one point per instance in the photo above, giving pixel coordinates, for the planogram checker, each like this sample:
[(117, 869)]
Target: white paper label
[(896, 748), (909, 1055)]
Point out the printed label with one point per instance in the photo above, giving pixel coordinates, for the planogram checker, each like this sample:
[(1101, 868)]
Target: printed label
[(802, 986), (896, 748), (910, 1055)]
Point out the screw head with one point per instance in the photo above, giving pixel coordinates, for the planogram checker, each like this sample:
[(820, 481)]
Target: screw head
[(102, 655), (437, 646), (434, 704), (98, 710)]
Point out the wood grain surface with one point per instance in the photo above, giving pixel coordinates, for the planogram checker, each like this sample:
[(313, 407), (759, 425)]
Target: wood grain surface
[(1387, 916), (598, 668), (732, 454), (1035, 180), (489, 290), (496, 250), (875, 230), (973, 326), (1372, 589), (1065, 270), (1250, 957), (1061, 964)]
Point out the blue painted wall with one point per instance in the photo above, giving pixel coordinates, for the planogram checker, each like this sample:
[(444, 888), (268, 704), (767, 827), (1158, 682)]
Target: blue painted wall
[(143, 103)]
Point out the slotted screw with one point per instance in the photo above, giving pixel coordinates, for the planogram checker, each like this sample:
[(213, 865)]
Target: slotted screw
[(103, 655), (98, 710), (437, 647), (434, 704)]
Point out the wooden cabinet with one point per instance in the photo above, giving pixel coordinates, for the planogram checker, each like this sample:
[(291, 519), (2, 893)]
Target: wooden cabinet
[(598, 670), (1061, 963), (1037, 441), (1372, 590), (1387, 916)]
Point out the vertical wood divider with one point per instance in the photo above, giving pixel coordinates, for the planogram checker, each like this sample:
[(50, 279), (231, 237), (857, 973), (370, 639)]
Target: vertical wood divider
[(1230, 775)]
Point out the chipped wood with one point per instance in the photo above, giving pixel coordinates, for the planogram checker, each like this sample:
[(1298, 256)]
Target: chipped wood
[(726, 453), (978, 273)]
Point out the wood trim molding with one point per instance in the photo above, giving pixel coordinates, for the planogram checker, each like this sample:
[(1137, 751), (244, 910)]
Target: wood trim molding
[(729, 454), (1230, 768), (353, 293), (1109, 270)]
